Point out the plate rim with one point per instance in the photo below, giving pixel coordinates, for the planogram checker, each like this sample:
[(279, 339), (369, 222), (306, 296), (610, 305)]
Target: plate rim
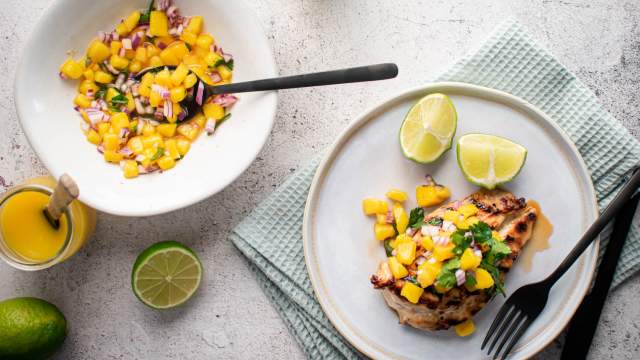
[(56, 171), (363, 118)]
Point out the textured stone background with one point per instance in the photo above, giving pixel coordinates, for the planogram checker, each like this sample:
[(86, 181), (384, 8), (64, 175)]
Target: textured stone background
[(598, 40)]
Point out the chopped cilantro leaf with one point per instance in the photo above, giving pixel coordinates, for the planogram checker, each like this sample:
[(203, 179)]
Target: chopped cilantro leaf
[(416, 218), (158, 154), (146, 16), (436, 221), (387, 248), (447, 279), (412, 279), (119, 99), (461, 242), (470, 280)]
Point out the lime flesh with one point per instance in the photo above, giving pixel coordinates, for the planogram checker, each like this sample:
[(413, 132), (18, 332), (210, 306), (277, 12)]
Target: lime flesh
[(166, 275), (428, 128), (488, 160)]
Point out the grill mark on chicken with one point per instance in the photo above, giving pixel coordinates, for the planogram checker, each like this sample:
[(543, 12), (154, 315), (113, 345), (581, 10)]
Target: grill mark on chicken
[(510, 216)]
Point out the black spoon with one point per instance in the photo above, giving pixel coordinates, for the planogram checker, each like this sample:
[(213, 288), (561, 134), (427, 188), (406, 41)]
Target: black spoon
[(343, 76)]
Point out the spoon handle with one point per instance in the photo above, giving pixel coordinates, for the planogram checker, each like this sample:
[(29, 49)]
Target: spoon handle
[(343, 76), (65, 192)]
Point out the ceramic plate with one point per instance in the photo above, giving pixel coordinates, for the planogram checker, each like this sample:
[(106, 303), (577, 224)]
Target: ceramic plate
[(44, 104), (341, 252)]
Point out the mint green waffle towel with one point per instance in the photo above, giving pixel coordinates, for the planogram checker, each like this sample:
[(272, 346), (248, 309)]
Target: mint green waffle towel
[(271, 236)]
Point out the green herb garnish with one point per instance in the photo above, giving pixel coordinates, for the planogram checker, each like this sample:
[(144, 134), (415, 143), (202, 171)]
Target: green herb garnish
[(387, 248), (228, 64), (447, 276), (416, 218), (158, 154), (102, 92), (435, 221), (146, 16), (412, 279), (119, 99)]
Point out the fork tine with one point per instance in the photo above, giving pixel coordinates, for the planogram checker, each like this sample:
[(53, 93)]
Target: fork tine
[(508, 334), (501, 332), (494, 325), (517, 336)]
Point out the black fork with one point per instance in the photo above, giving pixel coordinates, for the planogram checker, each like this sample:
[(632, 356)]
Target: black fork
[(526, 303)]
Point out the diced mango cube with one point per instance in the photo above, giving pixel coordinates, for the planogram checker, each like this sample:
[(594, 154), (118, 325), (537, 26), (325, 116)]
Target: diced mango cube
[(406, 252), (132, 20), (381, 219), (451, 215), (212, 58), (103, 128), (374, 206), (130, 169), (402, 220), (398, 270), (171, 148), (155, 61), (136, 145), (93, 137), (469, 260), (158, 24), (141, 54), (411, 292), (195, 25), (465, 328), (110, 141), (189, 37), (225, 72), (468, 210), (430, 195), (426, 278), (183, 146), (119, 121), (103, 77), (166, 162), (188, 130), (214, 111), (112, 156), (427, 242), (484, 280), (72, 69), (166, 130), (98, 51), (383, 231), (177, 94), (442, 253), (179, 74), (190, 80), (82, 101), (204, 41), (397, 195)]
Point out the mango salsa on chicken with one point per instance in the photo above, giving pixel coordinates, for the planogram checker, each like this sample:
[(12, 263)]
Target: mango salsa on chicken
[(443, 267), (138, 123)]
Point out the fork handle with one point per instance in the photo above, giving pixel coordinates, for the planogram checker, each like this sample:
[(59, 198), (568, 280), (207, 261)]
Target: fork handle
[(343, 76), (589, 236)]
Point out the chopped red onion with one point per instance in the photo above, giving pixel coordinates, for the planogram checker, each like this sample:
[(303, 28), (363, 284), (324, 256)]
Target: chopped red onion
[(162, 5), (127, 44), (126, 152), (100, 148), (76, 108), (168, 109), (134, 89), (111, 68), (84, 126), (136, 39), (389, 217), (182, 115), (161, 45), (102, 36), (460, 277), (119, 81), (420, 260), (477, 252), (122, 52), (115, 36), (210, 126), (159, 112), (172, 11), (215, 77), (62, 76), (225, 100), (153, 122), (139, 107), (199, 93), (140, 158), (124, 132)]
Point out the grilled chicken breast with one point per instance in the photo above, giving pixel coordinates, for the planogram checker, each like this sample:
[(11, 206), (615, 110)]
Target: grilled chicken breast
[(510, 216)]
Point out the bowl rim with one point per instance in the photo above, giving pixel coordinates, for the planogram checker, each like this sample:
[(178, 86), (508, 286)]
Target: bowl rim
[(196, 197)]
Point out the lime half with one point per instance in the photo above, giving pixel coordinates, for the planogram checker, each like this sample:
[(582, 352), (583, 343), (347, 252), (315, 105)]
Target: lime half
[(166, 275), (489, 160), (428, 129)]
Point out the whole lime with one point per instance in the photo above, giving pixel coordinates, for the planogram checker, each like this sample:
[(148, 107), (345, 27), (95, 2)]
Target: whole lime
[(30, 328)]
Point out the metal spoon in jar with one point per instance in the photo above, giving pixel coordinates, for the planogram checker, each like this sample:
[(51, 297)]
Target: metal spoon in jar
[(193, 101)]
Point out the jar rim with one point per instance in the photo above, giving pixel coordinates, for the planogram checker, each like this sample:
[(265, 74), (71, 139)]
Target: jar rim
[(15, 261)]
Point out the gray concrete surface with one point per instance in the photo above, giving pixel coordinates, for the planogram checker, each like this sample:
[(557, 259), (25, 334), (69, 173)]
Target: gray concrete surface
[(599, 40)]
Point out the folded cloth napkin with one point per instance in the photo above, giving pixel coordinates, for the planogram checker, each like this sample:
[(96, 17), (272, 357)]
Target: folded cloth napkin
[(271, 236)]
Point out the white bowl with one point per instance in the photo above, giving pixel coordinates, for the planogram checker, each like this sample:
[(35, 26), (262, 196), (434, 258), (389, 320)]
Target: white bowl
[(44, 103)]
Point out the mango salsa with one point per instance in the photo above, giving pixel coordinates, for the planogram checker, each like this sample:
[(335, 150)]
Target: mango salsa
[(141, 124)]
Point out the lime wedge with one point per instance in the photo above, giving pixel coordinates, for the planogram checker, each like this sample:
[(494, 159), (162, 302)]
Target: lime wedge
[(428, 129), (166, 274), (488, 160)]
